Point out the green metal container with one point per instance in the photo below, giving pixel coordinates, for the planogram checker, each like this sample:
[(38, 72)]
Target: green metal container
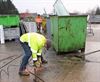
[(68, 33), (9, 20)]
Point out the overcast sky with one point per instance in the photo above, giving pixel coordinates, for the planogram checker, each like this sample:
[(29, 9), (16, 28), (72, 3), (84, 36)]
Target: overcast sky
[(39, 5)]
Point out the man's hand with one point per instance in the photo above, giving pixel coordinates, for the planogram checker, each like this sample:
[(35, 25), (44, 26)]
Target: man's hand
[(37, 64)]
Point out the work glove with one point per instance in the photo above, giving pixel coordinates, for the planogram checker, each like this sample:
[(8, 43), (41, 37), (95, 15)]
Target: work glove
[(40, 60), (37, 64)]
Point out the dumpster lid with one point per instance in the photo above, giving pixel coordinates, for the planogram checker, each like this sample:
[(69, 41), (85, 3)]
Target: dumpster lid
[(59, 8)]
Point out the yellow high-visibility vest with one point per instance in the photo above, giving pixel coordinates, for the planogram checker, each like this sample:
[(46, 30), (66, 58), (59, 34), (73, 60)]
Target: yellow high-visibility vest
[(35, 41)]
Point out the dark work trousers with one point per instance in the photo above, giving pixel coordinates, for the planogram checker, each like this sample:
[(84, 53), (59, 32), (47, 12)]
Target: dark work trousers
[(26, 56), (39, 27)]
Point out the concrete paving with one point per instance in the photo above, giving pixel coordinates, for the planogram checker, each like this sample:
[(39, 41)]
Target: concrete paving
[(60, 68)]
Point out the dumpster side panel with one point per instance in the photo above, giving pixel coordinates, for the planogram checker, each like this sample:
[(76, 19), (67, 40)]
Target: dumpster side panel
[(48, 26), (3, 20), (54, 31), (72, 33), (9, 21), (13, 20)]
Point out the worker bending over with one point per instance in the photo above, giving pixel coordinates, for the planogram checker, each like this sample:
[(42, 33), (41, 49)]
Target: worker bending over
[(32, 44)]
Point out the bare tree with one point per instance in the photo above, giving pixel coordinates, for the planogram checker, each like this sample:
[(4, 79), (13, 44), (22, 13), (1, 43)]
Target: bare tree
[(97, 11)]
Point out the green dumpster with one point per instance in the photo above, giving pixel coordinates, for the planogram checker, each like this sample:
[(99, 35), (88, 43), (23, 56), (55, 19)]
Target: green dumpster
[(68, 33), (9, 20)]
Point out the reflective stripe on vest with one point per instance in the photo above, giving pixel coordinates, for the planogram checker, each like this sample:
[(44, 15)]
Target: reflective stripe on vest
[(34, 59), (29, 39), (39, 54), (34, 51)]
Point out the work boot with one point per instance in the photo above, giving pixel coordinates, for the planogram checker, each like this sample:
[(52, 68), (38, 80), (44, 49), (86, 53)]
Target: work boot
[(24, 73)]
